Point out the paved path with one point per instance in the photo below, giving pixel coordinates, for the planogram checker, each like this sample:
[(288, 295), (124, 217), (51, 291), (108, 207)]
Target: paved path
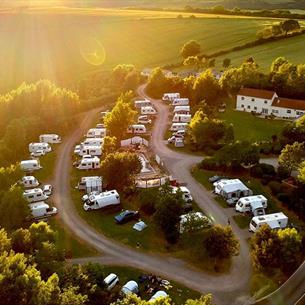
[(227, 289)]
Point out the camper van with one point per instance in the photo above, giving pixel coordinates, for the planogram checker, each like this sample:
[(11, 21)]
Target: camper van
[(90, 184), (143, 119), (274, 221), (96, 133), (169, 97), (142, 103), (30, 165), (178, 126), (29, 181), (148, 110), (232, 189), (184, 118), (137, 129), (186, 194), (131, 287), (102, 200), (89, 163), (33, 147), (34, 195), (180, 102), (254, 204), (41, 210), (50, 138), (90, 150), (182, 110)]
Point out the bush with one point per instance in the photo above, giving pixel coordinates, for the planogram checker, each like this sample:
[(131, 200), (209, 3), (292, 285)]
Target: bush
[(148, 200), (256, 171), (262, 169), (282, 172), (208, 164), (275, 187), (265, 148), (284, 197)]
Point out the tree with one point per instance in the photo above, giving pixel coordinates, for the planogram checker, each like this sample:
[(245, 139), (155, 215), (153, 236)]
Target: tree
[(195, 223), (191, 48), (290, 25), (157, 83), (226, 63), (5, 242), (119, 169), (195, 62), (121, 116), (221, 242), (120, 72), (301, 176), (110, 145), (292, 156)]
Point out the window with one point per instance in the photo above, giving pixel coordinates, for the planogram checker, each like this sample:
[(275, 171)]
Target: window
[(266, 102), (275, 111), (242, 106), (300, 113), (288, 111), (253, 99), (242, 98), (265, 111), (255, 108), (249, 107)]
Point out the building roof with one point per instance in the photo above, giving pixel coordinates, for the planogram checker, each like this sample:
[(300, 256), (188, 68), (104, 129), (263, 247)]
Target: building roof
[(289, 103), (259, 93)]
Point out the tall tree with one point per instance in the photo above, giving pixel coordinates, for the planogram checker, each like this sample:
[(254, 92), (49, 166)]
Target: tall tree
[(191, 48)]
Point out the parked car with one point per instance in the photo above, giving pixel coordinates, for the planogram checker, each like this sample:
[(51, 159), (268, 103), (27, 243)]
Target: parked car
[(232, 202), (126, 216), (38, 153), (216, 178), (47, 189)]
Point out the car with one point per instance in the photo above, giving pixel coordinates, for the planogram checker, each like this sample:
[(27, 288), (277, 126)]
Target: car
[(86, 197), (232, 202), (38, 153), (47, 189), (143, 119), (126, 216), (179, 133), (216, 178), (172, 139)]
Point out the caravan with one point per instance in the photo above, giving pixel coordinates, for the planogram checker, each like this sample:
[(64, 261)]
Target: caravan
[(254, 204), (89, 150), (183, 118), (30, 165), (29, 181), (34, 195), (142, 103), (93, 142), (34, 147), (178, 126), (274, 221), (169, 97), (182, 110), (137, 129), (91, 184), (50, 138), (181, 102), (41, 210), (89, 163), (102, 200), (148, 110), (232, 189), (96, 133)]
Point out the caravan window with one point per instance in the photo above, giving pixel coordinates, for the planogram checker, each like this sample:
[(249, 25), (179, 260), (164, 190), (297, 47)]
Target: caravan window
[(253, 223)]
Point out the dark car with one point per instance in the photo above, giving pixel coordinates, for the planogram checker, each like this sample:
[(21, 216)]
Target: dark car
[(216, 178), (126, 216)]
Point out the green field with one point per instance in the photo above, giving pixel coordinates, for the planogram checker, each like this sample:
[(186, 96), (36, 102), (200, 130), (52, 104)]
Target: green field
[(63, 45)]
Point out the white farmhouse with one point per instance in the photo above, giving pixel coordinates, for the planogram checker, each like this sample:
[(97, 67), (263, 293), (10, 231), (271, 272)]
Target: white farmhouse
[(267, 102)]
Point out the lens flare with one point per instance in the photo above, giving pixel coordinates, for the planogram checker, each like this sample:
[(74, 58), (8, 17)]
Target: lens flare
[(92, 51)]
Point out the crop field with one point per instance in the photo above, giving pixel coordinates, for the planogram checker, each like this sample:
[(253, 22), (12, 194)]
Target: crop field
[(63, 45)]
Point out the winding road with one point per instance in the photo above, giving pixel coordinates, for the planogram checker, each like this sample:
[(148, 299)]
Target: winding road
[(227, 289)]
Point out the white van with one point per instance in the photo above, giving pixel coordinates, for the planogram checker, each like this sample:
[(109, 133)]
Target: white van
[(42, 210), (34, 195), (50, 138), (29, 181), (178, 126), (90, 150), (130, 287), (274, 221), (111, 280), (89, 163), (181, 102), (30, 165), (102, 200), (186, 194), (148, 110), (254, 204), (96, 133), (142, 103), (33, 147), (182, 109), (184, 118), (169, 97), (137, 129)]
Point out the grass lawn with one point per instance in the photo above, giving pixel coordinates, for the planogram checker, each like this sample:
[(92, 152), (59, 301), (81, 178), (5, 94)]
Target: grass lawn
[(242, 221), (48, 163), (248, 127), (178, 293)]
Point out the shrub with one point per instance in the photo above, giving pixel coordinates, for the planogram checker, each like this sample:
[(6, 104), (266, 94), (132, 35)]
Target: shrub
[(282, 172), (256, 171), (283, 197), (275, 187), (208, 164), (148, 200), (262, 169)]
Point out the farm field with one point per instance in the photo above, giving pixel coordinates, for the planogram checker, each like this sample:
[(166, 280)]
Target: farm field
[(64, 45)]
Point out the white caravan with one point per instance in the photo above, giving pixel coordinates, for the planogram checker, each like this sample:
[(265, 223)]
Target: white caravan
[(143, 119), (142, 103), (232, 188), (178, 126), (181, 102), (274, 221), (182, 109), (91, 184), (34, 147), (102, 200), (131, 287), (169, 97), (254, 204), (96, 133), (111, 280), (184, 118), (50, 138), (41, 210), (93, 141), (90, 150), (29, 181), (137, 129), (89, 163), (30, 165), (148, 110), (34, 195), (186, 194)]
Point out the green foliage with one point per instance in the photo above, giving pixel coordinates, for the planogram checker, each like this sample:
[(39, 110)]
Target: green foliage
[(226, 63), (125, 77), (126, 164), (195, 62), (110, 145), (290, 25), (301, 175), (157, 83), (191, 48)]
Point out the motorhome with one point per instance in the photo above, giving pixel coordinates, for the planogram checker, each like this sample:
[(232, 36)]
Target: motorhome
[(89, 163), (186, 194), (137, 129), (34, 195), (143, 119), (253, 204), (274, 221), (169, 97), (50, 138), (178, 126), (96, 133), (42, 210), (182, 110), (30, 165), (232, 188), (142, 103), (90, 150), (180, 102), (184, 118), (148, 110), (29, 181), (102, 200), (91, 184), (33, 147)]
